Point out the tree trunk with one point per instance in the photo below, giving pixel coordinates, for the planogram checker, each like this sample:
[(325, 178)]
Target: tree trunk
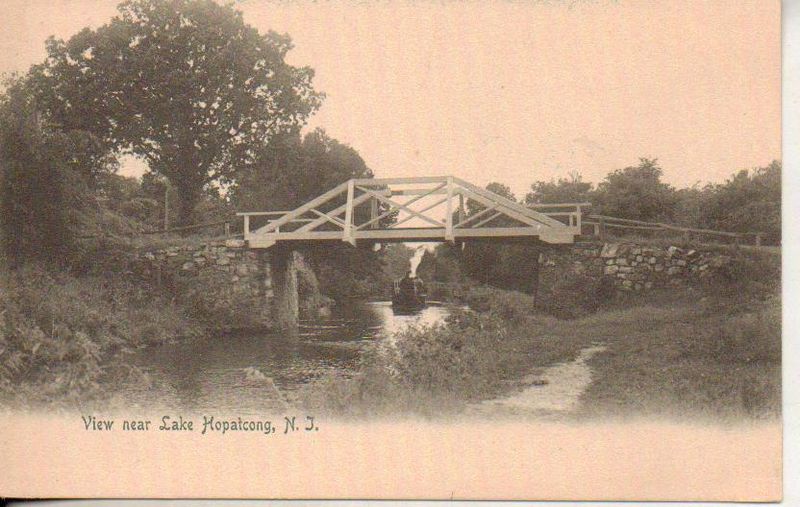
[(189, 198)]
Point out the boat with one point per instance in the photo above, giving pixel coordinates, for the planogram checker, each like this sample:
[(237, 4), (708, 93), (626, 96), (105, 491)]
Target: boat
[(408, 295)]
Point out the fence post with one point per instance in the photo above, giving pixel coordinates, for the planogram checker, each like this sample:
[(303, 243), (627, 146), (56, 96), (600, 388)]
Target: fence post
[(602, 228), (758, 239), (227, 229)]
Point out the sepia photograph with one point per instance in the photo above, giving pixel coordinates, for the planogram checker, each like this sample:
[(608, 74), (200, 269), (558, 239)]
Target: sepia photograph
[(346, 234)]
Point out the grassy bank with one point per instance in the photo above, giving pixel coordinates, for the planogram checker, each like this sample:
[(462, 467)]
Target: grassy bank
[(63, 338), (690, 357), (687, 360)]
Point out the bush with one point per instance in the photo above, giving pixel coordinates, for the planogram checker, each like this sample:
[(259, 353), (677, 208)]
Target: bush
[(512, 307), (750, 337), (574, 295), (61, 337), (745, 277), (426, 371)]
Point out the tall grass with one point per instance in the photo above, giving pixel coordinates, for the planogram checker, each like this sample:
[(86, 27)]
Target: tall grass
[(678, 358), (434, 371), (63, 339)]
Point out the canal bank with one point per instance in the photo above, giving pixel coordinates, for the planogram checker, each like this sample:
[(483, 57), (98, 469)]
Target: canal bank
[(252, 373)]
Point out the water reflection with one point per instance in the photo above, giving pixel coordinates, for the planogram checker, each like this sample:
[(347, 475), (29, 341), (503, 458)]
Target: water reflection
[(251, 374)]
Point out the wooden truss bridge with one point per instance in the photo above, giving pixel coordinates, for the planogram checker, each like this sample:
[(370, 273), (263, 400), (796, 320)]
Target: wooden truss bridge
[(409, 210)]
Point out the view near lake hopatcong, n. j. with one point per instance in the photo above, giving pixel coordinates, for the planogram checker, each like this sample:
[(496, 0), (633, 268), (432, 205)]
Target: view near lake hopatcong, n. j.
[(215, 209)]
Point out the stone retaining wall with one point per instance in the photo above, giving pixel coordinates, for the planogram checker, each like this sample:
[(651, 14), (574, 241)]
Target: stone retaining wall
[(630, 266), (225, 282)]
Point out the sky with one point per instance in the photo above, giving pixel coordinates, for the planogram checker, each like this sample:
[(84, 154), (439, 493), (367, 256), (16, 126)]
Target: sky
[(512, 91)]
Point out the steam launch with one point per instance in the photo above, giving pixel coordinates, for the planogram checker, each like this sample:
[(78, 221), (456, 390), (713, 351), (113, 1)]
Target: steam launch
[(408, 293)]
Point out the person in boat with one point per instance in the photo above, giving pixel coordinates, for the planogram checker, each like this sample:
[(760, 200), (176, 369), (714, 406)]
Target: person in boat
[(419, 285), (407, 285)]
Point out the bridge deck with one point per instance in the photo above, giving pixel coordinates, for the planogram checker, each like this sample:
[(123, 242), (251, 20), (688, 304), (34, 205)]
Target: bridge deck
[(369, 210)]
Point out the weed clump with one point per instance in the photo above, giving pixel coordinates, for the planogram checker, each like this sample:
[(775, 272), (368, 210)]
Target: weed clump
[(61, 336)]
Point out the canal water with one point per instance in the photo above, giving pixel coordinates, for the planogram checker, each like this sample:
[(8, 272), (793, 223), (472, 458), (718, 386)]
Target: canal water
[(250, 374)]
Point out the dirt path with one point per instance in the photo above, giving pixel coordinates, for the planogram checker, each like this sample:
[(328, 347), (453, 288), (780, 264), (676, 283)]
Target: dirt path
[(549, 392)]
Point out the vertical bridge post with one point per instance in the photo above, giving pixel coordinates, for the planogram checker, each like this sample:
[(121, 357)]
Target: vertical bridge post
[(448, 231), (348, 214)]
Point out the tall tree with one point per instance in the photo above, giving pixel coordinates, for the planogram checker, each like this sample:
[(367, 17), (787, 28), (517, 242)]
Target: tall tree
[(636, 192), (571, 189), (45, 178), (184, 84), (293, 169), (750, 201)]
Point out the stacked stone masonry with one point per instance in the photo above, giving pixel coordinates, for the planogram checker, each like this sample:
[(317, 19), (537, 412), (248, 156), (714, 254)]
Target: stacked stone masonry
[(222, 271), (634, 267)]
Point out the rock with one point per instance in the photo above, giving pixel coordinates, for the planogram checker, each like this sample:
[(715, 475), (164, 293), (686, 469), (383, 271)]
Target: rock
[(610, 270), (223, 261), (638, 286), (639, 258), (627, 283), (651, 260), (625, 269), (609, 250), (659, 267), (673, 270), (234, 243), (681, 262), (622, 261), (610, 261), (241, 270), (648, 285), (149, 256), (637, 251), (188, 266)]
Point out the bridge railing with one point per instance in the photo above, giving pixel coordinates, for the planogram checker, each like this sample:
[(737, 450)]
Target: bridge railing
[(601, 223), (569, 213)]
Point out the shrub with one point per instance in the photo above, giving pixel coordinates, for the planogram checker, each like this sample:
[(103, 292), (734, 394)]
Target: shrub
[(745, 277), (574, 295), (750, 337), (512, 307), (61, 337)]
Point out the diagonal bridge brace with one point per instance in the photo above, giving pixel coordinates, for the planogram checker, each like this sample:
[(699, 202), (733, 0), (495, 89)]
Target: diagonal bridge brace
[(397, 205)]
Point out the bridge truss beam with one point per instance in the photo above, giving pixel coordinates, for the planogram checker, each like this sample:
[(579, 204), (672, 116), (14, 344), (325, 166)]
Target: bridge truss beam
[(371, 210)]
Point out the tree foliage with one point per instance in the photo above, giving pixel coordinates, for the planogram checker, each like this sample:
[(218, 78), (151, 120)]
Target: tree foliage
[(636, 192), (571, 189), (293, 169), (46, 175), (184, 84), (750, 201)]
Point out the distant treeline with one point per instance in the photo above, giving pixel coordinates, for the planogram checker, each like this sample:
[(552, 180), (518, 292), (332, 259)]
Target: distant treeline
[(748, 202)]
